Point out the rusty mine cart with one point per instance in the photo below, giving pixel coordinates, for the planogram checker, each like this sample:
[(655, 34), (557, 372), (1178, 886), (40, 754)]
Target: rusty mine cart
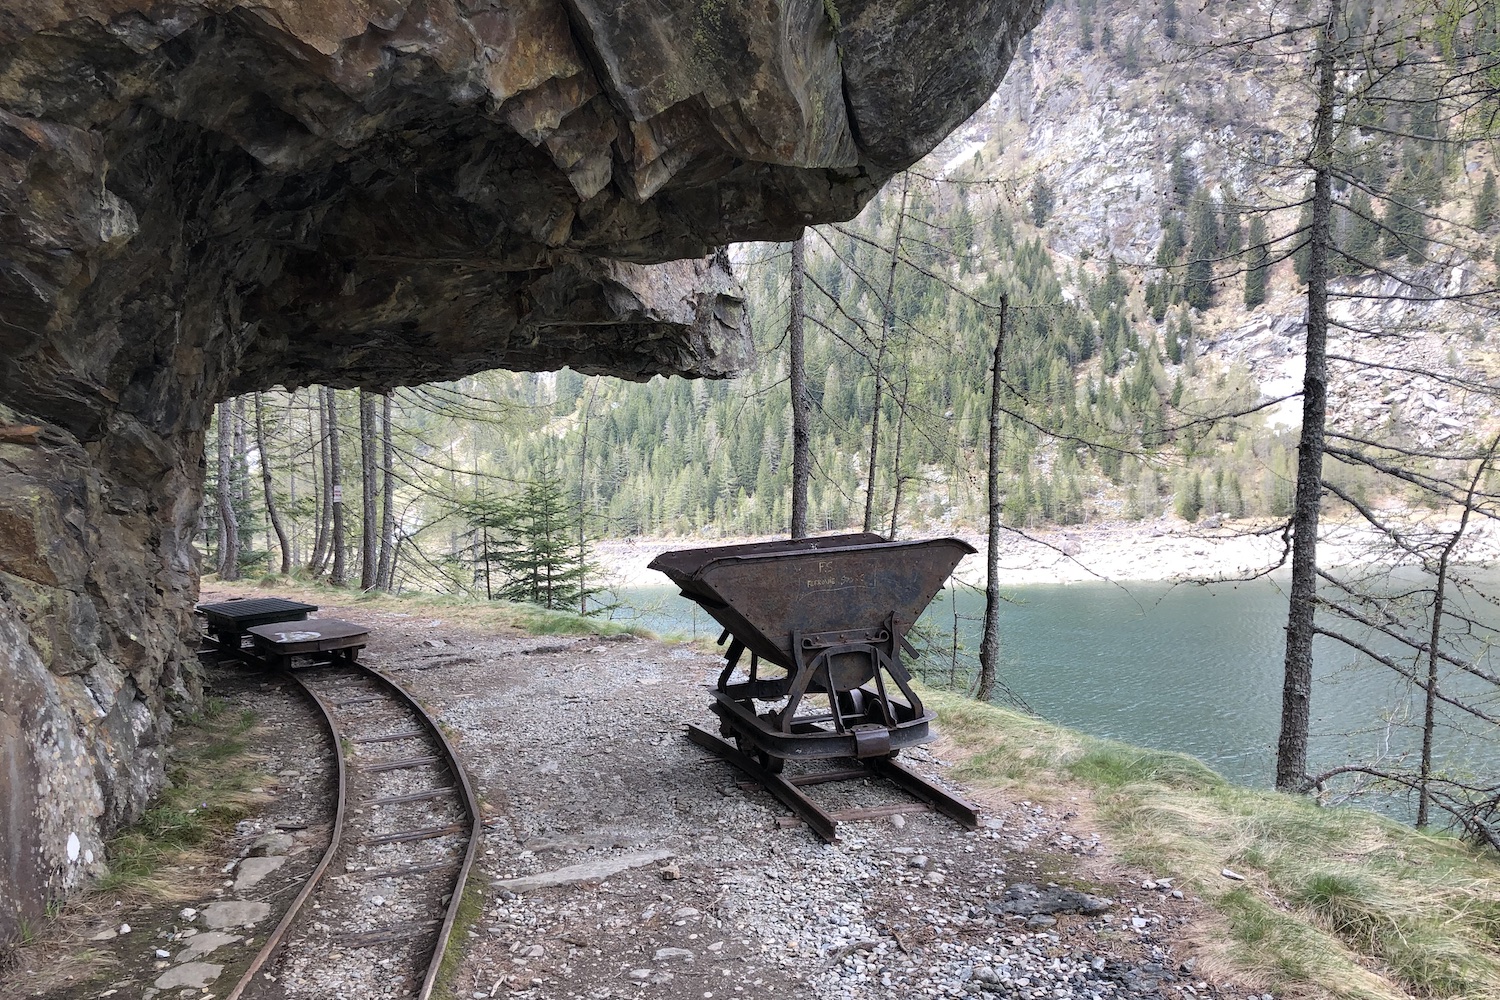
[(832, 613)]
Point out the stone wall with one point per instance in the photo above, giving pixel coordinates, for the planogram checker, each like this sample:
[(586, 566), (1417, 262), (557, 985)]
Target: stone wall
[(204, 198)]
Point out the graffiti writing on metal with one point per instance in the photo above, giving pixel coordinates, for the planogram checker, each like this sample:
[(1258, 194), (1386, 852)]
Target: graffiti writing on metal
[(830, 577)]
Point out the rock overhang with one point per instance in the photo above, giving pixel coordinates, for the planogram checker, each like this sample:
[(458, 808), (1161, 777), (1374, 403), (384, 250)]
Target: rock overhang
[(206, 197), (406, 171)]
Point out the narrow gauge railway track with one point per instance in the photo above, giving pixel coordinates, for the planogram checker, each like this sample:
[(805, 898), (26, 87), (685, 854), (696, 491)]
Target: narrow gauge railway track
[(375, 915)]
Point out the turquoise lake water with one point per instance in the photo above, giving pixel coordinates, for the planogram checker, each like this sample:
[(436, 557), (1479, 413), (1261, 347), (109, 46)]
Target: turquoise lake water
[(1189, 668)]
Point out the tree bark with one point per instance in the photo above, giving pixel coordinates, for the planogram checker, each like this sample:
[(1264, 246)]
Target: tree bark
[(896, 461), (887, 323), (291, 480), (1296, 691), (387, 567), (369, 519), (229, 528), (241, 477), (265, 480), (801, 438), (1439, 596), (989, 640), (583, 478), (319, 561), (340, 574)]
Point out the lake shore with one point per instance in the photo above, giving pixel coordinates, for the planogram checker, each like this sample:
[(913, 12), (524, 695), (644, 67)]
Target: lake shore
[(1165, 549)]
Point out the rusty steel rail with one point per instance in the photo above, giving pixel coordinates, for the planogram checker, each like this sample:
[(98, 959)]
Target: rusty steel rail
[(471, 804), (788, 790), (463, 789), (272, 946)]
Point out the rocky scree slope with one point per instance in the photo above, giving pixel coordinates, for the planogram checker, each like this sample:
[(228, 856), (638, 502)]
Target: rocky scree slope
[(1099, 125)]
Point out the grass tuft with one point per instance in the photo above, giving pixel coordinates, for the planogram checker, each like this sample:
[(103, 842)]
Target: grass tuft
[(470, 909), (212, 784), (1337, 902)]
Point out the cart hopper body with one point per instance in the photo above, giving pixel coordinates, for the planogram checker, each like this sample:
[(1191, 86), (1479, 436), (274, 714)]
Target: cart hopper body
[(764, 592), (833, 612)]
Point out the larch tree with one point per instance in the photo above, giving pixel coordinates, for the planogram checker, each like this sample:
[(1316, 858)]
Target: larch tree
[(369, 520), (273, 515)]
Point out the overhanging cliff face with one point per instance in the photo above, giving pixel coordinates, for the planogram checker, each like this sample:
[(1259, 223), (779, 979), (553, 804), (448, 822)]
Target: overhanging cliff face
[(205, 197)]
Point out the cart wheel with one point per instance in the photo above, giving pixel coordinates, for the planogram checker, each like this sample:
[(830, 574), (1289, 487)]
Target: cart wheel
[(747, 747)]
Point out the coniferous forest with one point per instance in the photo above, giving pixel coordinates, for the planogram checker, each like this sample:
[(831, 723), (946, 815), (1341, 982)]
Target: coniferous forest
[(1119, 399), (1220, 268)]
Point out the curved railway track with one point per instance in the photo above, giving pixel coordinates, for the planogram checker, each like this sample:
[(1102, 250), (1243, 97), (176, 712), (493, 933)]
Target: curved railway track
[(374, 917)]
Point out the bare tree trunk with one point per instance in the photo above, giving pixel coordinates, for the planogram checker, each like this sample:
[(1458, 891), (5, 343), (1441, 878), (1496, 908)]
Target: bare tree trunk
[(801, 460), (241, 491), (869, 523), (340, 574), (989, 641), (395, 588), (324, 532), (896, 462), (452, 492), (888, 322), (1424, 774), (583, 478), (291, 481), (229, 527), (1296, 692), (386, 570), (369, 519), (265, 481)]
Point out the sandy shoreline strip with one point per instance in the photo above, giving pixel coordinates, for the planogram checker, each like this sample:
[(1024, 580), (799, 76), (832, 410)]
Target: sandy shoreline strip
[(1165, 549)]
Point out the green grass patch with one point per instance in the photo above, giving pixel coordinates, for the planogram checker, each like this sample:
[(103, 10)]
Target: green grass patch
[(211, 785), (470, 909), (1336, 902)]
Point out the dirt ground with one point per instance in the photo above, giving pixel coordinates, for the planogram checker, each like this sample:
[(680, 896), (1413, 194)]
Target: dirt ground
[(677, 880)]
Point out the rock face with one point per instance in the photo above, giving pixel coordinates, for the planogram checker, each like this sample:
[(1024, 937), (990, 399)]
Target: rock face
[(204, 197)]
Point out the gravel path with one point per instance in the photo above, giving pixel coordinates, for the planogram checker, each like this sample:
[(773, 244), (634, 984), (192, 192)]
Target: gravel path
[(622, 861), (577, 747), (369, 929)]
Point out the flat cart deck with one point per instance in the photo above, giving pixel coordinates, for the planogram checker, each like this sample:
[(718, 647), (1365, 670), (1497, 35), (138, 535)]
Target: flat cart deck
[(229, 622), (325, 640)]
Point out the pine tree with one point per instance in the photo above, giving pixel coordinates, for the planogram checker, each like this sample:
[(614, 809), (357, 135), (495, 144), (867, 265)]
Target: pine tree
[(1232, 239), (1405, 223), (1257, 271), (1182, 177), (1042, 200), (1202, 253), (1302, 256), (1169, 251), (488, 520), (1362, 238), (1190, 497), (540, 555), (1486, 204)]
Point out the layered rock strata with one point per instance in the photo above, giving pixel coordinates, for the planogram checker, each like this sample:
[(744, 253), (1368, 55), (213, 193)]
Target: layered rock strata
[(204, 197)]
